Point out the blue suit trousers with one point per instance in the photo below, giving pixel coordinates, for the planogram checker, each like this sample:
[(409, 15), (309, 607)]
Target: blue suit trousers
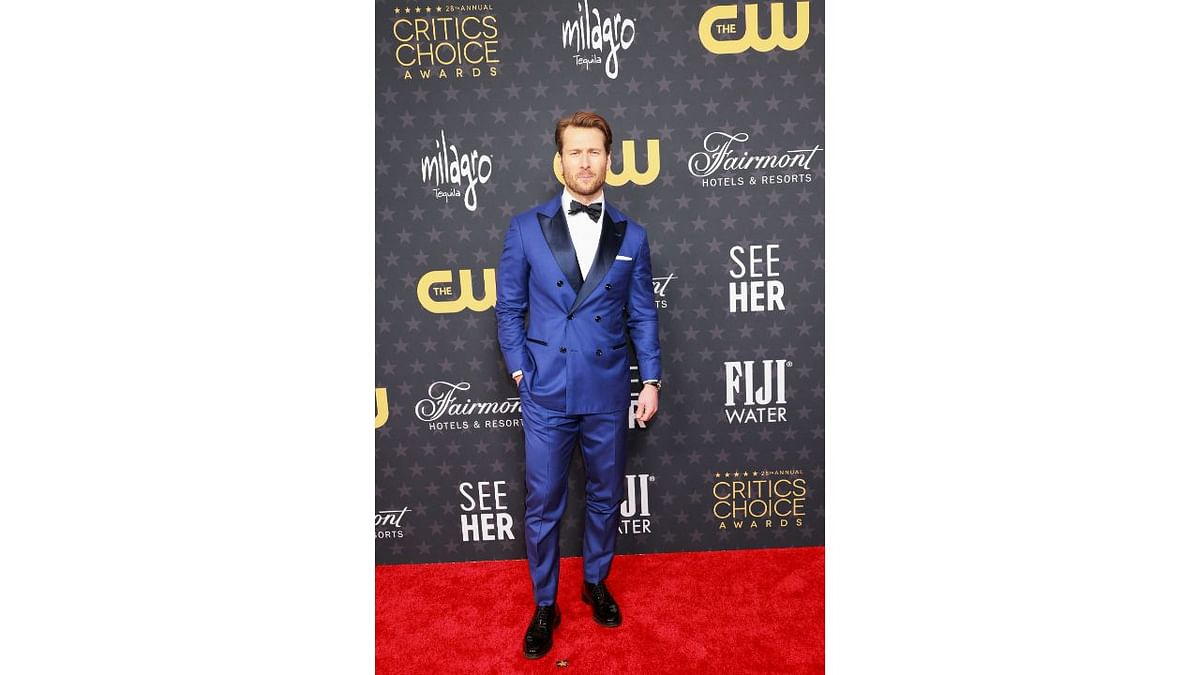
[(550, 438)]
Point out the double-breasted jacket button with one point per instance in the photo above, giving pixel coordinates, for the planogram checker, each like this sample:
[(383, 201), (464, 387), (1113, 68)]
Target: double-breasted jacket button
[(599, 353), (562, 349), (570, 317), (597, 317), (607, 287), (558, 283)]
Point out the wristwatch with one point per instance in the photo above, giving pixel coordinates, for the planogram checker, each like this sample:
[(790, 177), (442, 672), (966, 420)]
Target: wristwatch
[(657, 384)]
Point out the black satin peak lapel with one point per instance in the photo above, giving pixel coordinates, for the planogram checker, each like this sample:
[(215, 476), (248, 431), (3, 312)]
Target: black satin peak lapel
[(611, 234), (558, 237)]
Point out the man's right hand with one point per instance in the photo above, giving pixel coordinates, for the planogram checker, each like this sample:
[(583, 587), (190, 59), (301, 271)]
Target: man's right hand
[(517, 379)]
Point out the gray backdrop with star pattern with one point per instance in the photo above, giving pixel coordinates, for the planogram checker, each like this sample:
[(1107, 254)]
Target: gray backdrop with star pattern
[(718, 149)]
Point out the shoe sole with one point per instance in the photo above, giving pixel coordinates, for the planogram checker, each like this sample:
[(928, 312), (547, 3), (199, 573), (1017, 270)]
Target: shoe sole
[(557, 622), (588, 601)]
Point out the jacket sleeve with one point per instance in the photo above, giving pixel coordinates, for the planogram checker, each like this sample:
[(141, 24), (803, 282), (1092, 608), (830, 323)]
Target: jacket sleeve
[(643, 316), (512, 299)]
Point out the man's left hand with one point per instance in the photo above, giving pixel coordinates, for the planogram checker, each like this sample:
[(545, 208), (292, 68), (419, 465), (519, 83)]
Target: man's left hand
[(647, 403)]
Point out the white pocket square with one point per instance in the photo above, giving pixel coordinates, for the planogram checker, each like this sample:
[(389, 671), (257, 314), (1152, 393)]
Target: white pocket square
[(624, 257)]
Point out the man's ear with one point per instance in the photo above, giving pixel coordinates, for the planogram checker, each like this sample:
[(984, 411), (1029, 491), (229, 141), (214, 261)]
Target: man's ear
[(609, 168)]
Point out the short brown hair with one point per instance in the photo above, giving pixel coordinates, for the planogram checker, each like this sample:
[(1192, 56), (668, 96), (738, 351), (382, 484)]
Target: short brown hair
[(587, 119)]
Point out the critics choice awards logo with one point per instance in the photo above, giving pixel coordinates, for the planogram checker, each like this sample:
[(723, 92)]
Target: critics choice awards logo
[(720, 32), (759, 499), (446, 41), (589, 36), (450, 173), (756, 391), (447, 408), (718, 155)]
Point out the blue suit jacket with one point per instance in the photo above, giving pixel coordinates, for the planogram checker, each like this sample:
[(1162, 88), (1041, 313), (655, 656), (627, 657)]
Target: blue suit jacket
[(574, 353)]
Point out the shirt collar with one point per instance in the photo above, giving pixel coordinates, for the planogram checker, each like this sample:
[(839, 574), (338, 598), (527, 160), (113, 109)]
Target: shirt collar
[(567, 199)]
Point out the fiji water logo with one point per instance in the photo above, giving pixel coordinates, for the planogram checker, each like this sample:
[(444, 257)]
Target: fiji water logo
[(756, 391)]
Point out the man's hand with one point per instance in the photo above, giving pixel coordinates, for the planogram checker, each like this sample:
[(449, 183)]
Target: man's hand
[(647, 404), (517, 379)]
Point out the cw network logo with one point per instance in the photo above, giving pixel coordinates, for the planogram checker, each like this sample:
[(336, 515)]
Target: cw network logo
[(716, 36), (381, 407), (629, 172), (437, 294)]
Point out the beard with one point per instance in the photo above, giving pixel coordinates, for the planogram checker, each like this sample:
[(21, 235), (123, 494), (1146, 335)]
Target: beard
[(586, 187)]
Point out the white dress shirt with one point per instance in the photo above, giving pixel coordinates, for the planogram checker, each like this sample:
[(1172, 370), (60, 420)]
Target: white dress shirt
[(585, 234)]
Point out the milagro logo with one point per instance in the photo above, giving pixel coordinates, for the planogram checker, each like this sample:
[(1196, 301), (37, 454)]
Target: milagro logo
[(590, 33), (448, 167), (628, 172), (388, 523), (719, 155), (444, 409), (635, 510), (436, 292), (756, 391), (764, 498), (718, 27)]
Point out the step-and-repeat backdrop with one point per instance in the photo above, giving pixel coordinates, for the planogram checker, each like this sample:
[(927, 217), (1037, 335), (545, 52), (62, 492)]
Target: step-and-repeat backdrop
[(718, 129)]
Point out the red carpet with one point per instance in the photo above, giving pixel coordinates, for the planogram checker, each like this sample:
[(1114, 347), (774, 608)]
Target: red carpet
[(749, 611)]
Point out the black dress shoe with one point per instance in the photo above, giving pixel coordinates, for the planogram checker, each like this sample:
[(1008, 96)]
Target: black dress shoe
[(540, 636), (604, 606)]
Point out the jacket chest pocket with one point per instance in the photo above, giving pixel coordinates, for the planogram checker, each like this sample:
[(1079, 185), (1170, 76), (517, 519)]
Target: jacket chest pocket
[(616, 283)]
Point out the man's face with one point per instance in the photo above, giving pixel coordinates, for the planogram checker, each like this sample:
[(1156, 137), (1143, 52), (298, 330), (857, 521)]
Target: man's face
[(585, 163)]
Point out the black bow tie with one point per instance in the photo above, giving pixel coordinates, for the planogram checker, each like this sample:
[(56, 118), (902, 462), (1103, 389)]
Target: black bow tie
[(593, 210)]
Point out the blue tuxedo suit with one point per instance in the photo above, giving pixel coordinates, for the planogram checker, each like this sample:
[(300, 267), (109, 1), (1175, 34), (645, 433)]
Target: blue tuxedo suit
[(574, 356)]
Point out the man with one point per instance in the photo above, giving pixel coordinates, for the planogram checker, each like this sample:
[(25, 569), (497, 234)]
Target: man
[(581, 270)]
